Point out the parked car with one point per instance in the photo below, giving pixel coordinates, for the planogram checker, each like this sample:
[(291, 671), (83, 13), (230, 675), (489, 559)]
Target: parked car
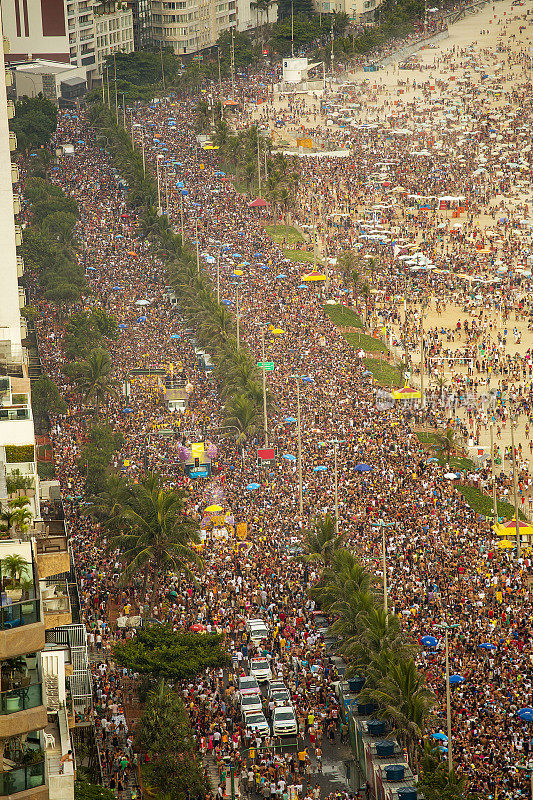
[(274, 684), (251, 703), (256, 721), (281, 697), (284, 721), (260, 669), (248, 685)]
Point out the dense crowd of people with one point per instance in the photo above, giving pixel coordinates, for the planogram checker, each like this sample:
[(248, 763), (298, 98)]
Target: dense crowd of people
[(442, 559)]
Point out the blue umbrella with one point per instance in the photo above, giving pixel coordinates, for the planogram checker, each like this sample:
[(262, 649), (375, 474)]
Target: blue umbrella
[(289, 419), (252, 486), (281, 275), (226, 302), (289, 457), (127, 410), (429, 641), (487, 646), (525, 714), (362, 468), (302, 286), (114, 288), (141, 319), (184, 192), (441, 737), (455, 679), (319, 469), (91, 268), (258, 255), (308, 379), (264, 266), (432, 460), (219, 173), (175, 336), (122, 327), (180, 185), (442, 749)]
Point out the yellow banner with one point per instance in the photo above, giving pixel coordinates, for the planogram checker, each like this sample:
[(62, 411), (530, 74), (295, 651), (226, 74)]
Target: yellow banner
[(242, 530), (197, 449)]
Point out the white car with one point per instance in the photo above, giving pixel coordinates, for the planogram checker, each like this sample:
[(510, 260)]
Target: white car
[(251, 703), (260, 669), (257, 630), (257, 722), (284, 721), (248, 686), (275, 685), (281, 697)]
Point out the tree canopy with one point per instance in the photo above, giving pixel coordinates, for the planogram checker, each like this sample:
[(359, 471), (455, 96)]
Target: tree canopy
[(34, 122), (159, 652)]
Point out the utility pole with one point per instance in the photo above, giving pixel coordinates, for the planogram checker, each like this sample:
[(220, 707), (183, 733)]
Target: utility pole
[(384, 556), (265, 419), (218, 277), (197, 247), (238, 337), (493, 470), (123, 112), (300, 487), (332, 48), (162, 67), (144, 158), (422, 397), (258, 160), (448, 704), (220, 84), (515, 489), (232, 66), (108, 90), (292, 28), (181, 220), (159, 209), (116, 96)]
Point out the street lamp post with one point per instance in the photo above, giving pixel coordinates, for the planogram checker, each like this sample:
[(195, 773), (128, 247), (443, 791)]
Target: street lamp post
[(517, 527), (218, 277), (197, 247), (238, 330), (335, 443), (493, 470), (181, 219), (384, 525), (299, 421), (448, 704), (159, 209), (265, 418)]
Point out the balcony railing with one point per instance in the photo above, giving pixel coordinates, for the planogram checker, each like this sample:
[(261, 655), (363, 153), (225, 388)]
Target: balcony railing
[(7, 414), (56, 605), (22, 699), (14, 615), (20, 779)]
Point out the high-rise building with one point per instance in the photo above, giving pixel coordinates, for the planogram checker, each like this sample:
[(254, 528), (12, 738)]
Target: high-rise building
[(142, 23)]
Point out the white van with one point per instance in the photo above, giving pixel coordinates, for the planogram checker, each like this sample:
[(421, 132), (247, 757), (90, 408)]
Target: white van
[(257, 630)]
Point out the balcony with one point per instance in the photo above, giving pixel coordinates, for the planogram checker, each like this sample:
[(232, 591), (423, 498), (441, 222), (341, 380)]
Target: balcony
[(18, 229), (20, 266), (9, 78), (21, 628), (16, 204), (29, 778), (10, 109), (52, 554), (15, 173), (56, 605), (22, 708), (12, 141)]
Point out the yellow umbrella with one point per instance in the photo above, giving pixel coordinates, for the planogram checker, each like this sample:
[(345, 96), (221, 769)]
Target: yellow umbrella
[(407, 393), (214, 509), (509, 528), (238, 272), (505, 544), (277, 331), (313, 277)]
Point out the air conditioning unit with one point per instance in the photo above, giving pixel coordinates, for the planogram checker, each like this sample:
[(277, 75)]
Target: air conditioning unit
[(15, 173), (10, 109), (20, 266), (18, 235), (16, 204), (12, 141), (9, 78)]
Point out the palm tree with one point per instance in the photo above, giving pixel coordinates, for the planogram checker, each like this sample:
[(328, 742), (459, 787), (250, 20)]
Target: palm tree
[(378, 631), (157, 534), (321, 540), (14, 566), (447, 443), (94, 377), (20, 514), (403, 698), (243, 415), (343, 576)]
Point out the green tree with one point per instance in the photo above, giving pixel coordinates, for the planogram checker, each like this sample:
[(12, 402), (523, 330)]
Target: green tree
[(447, 442), (173, 769), (34, 122), (321, 540), (95, 457), (245, 53), (45, 398), (159, 652), (244, 416), (92, 791), (157, 534), (14, 566), (94, 377)]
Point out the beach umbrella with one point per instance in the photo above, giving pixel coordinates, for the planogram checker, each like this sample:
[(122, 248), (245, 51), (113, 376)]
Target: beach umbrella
[(505, 544), (313, 277), (213, 509), (362, 468), (289, 419), (226, 302), (142, 302), (289, 457), (219, 173), (127, 410), (432, 460), (450, 475), (122, 327), (525, 714), (238, 272), (252, 486), (142, 319), (319, 469), (277, 331), (456, 679), (281, 275), (198, 628), (93, 269), (175, 336), (487, 646), (440, 737), (429, 641), (308, 379)]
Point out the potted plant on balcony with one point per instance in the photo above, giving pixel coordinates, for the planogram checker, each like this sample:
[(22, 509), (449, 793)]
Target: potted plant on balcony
[(14, 567)]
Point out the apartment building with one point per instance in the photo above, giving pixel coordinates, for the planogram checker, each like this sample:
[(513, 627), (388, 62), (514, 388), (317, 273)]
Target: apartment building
[(190, 26), (360, 12), (113, 31)]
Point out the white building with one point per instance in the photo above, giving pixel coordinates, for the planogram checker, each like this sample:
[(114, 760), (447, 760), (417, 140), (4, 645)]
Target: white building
[(190, 26), (359, 11), (51, 78), (113, 31)]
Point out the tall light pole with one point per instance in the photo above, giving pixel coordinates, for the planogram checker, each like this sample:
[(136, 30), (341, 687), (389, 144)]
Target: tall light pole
[(157, 160), (299, 422), (258, 161), (265, 418), (493, 470), (515, 489), (383, 526), (218, 277), (197, 247), (181, 220), (335, 443), (238, 330), (448, 704)]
